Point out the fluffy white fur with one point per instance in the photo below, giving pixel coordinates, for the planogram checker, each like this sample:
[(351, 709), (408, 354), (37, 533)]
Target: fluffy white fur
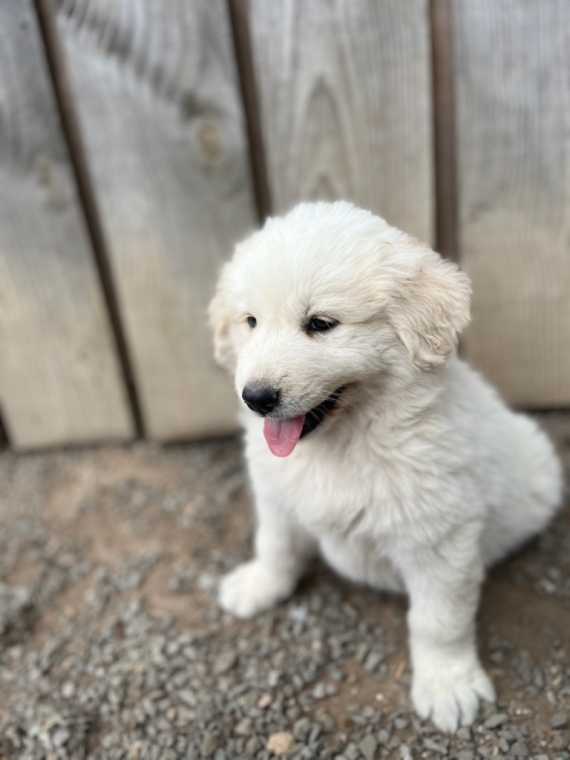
[(421, 478)]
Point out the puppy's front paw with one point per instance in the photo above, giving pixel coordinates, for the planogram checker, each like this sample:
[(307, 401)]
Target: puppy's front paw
[(252, 588), (448, 690)]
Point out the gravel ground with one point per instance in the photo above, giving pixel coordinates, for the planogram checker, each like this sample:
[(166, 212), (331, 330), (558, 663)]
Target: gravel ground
[(111, 644)]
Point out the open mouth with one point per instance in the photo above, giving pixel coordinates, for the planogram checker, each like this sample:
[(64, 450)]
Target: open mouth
[(282, 435)]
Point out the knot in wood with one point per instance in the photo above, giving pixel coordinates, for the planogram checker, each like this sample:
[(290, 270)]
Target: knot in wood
[(209, 142)]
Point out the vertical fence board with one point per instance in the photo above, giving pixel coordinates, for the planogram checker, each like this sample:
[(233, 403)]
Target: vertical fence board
[(345, 102), (513, 95), (59, 377), (157, 100)]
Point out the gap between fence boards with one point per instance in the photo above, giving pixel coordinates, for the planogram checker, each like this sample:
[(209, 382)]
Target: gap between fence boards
[(239, 22), (4, 437), (444, 136)]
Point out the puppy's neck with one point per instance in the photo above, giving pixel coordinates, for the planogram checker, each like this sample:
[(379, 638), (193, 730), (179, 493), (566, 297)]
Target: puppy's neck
[(402, 399)]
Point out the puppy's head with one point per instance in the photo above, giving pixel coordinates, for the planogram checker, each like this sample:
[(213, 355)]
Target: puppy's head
[(327, 298)]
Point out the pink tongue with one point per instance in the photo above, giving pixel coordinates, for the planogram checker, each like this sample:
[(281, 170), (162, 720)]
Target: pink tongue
[(282, 435)]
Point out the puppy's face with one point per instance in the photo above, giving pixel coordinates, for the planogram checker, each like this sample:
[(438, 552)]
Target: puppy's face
[(325, 300)]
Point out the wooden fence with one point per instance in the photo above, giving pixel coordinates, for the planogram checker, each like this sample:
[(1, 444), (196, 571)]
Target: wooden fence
[(140, 139)]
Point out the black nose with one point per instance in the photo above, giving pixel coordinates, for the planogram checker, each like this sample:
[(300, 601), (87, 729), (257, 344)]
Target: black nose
[(261, 398)]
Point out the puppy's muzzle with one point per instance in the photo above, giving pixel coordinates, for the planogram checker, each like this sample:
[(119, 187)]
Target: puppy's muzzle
[(262, 399)]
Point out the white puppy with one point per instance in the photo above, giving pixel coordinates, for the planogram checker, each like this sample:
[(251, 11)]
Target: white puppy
[(369, 440)]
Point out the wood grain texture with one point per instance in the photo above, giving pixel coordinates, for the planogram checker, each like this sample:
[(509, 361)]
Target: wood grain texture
[(157, 99), (59, 378), (512, 61), (345, 98)]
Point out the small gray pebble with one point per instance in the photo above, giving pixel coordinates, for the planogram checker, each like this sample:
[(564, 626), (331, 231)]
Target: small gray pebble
[(244, 727), (361, 652), (383, 737), (435, 746), (496, 720), (273, 678), (519, 749), (316, 731), (320, 691), (224, 662), (252, 746), (67, 690), (325, 720), (301, 728), (368, 747), (351, 752), (525, 667), (209, 745), (373, 660), (60, 737), (298, 614), (559, 742), (188, 697), (560, 720)]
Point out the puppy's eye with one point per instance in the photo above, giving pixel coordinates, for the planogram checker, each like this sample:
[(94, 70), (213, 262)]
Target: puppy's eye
[(252, 322), (321, 324)]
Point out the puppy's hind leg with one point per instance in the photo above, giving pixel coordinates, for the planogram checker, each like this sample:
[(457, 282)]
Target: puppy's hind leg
[(283, 550), (536, 494)]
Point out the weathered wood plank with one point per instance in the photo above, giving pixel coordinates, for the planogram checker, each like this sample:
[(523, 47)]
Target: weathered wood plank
[(59, 377), (62, 88), (157, 99), (513, 96), (345, 101)]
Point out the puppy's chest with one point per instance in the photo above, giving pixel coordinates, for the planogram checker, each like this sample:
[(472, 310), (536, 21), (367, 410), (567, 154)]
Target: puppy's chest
[(345, 499)]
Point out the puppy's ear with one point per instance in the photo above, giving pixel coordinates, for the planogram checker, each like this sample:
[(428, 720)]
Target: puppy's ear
[(431, 309), (219, 314)]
